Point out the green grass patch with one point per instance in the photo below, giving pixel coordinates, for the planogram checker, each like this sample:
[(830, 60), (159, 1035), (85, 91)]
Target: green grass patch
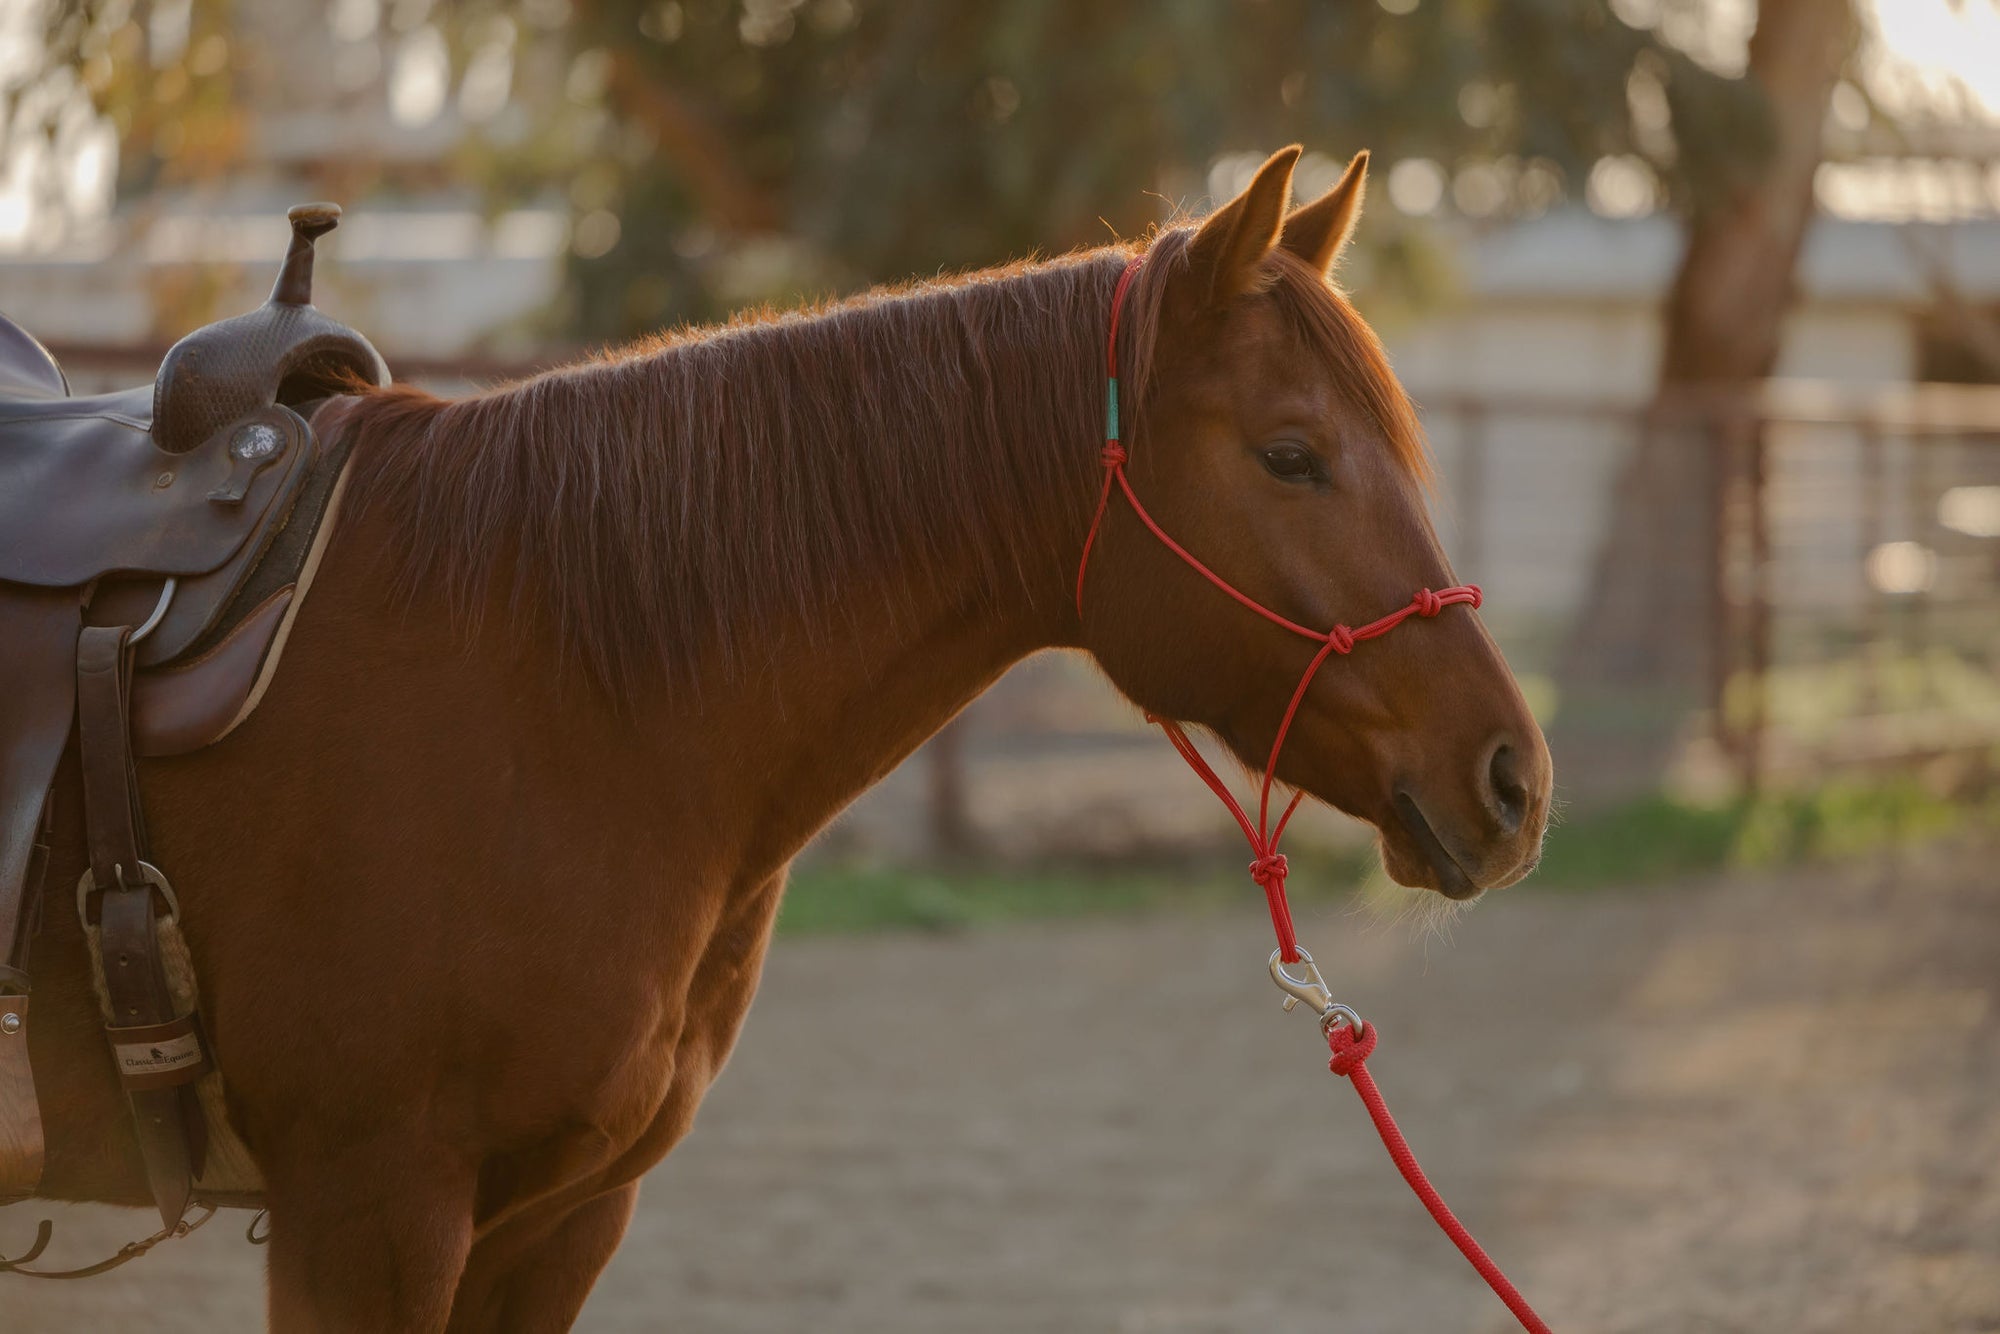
[(871, 898), (1658, 838), (1650, 840)]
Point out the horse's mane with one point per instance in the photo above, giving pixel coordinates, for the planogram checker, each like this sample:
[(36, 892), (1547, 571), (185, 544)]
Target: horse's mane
[(668, 501)]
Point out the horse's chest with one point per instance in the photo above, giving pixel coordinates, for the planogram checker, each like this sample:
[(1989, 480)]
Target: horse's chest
[(645, 1096)]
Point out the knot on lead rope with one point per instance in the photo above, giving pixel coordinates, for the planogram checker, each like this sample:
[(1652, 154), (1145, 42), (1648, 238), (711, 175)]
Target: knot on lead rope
[(1350, 1048), (1113, 454), (1270, 870), (1341, 640), (1427, 603)]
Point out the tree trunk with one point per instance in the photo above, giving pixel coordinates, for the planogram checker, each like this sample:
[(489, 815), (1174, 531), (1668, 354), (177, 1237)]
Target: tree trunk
[(1646, 649), (951, 832), (1735, 282)]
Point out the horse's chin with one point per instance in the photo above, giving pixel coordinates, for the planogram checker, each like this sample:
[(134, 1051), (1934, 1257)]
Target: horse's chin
[(1415, 856), (1411, 852), (1411, 848)]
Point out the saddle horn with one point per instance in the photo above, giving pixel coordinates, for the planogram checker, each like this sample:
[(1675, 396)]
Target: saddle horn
[(285, 351), (295, 280)]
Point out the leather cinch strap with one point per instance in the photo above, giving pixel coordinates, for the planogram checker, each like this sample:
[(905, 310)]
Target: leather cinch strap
[(158, 1054)]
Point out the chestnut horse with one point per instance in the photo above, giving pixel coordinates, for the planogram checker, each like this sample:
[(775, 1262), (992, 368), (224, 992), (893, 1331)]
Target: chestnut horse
[(479, 896)]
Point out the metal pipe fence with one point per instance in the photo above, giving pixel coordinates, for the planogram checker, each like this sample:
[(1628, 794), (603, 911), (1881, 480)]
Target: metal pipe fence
[(1852, 548)]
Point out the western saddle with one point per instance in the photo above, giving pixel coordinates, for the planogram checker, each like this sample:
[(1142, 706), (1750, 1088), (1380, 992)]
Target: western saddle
[(154, 547)]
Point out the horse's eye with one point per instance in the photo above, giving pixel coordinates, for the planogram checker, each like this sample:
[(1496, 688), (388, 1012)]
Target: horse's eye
[(1290, 462)]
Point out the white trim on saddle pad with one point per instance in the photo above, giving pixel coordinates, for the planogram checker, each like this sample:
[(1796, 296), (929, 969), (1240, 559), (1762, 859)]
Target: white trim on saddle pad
[(328, 517)]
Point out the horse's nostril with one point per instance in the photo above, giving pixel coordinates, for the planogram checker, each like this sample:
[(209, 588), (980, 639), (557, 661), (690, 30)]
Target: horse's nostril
[(1506, 791)]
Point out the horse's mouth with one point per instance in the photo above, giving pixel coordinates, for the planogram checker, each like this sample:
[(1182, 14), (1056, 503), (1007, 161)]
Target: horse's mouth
[(1452, 881)]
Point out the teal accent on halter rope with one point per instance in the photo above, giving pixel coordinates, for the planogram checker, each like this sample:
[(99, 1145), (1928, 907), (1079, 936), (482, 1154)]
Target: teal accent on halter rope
[(1111, 408)]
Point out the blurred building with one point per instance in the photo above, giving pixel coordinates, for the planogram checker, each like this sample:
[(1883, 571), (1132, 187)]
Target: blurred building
[(353, 100), (1553, 347)]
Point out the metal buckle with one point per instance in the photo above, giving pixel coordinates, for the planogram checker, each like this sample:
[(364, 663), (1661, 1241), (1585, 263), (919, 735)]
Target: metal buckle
[(1312, 989), (149, 874)]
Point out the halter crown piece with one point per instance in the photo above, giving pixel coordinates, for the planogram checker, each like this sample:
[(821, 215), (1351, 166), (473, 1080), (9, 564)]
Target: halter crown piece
[(1349, 1040)]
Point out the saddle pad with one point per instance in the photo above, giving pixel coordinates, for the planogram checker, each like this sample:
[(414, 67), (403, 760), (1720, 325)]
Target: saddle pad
[(199, 699)]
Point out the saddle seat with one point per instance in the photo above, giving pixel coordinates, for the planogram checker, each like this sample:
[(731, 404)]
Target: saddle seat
[(97, 495), (89, 503), (85, 493)]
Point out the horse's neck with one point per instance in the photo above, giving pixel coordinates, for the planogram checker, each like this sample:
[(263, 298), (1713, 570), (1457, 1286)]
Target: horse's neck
[(830, 703), (800, 741)]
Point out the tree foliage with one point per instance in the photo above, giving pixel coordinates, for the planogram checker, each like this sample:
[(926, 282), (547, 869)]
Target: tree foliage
[(888, 137), (718, 151), (164, 87)]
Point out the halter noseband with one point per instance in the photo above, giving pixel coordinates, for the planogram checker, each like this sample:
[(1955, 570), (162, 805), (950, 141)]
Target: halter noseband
[(1268, 868)]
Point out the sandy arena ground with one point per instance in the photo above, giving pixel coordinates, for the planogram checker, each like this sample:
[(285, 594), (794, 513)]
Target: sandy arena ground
[(1763, 1105)]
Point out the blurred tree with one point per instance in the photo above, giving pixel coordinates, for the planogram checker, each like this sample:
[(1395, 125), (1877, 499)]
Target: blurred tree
[(161, 71), (716, 152), (1648, 647), (160, 76), (720, 152)]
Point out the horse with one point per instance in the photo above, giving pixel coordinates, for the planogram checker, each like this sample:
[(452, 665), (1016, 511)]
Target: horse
[(479, 896)]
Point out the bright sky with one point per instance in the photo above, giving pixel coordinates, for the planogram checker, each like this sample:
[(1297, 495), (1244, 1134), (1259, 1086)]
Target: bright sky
[(1928, 52), (1920, 57)]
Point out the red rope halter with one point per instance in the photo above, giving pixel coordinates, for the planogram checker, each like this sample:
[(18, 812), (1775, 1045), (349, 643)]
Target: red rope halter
[(1349, 1040), (1268, 868)]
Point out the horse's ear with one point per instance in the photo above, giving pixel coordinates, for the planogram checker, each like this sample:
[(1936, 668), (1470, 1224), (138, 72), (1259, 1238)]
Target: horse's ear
[(1225, 254), (1316, 232)]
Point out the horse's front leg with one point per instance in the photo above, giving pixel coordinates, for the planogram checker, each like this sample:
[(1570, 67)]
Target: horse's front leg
[(532, 1276), (370, 1237), (531, 1273)]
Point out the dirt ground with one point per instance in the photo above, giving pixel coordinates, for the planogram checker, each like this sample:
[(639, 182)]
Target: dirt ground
[(1768, 1104)]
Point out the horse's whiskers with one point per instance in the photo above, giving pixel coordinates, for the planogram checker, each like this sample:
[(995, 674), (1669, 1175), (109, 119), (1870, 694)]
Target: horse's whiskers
[(1427, 915)]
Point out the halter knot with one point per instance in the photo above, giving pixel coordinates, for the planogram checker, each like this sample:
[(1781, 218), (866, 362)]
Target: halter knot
[(1349, 1048), (1270, 870), (1113, 454), (1428, 603), (1341, 639)]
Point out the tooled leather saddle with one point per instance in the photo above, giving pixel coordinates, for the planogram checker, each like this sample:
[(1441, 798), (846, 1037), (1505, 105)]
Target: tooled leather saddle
[(154, 546)]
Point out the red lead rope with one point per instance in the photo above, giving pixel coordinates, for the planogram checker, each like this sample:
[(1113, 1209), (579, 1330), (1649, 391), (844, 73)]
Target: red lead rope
[(1352, 1042), (1350, 1054)]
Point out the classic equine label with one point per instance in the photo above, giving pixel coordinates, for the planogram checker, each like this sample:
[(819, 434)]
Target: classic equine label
[(156, 1058)]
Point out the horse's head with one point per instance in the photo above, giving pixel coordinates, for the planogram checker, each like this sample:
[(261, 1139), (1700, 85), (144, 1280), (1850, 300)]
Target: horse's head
[(1272, 441)]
